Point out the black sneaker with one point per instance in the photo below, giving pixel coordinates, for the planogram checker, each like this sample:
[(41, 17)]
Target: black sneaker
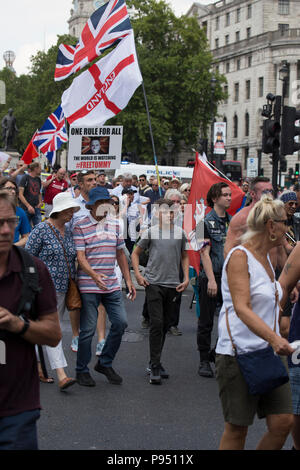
[(155, 377), (110, 374), (163, 373), (205, 369), (85, 379)]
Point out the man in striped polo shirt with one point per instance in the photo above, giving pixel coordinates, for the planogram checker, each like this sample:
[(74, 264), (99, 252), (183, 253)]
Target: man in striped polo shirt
[(99, 243)]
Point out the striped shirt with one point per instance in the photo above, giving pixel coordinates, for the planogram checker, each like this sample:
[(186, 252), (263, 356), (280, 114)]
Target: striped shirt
[(100, 242)]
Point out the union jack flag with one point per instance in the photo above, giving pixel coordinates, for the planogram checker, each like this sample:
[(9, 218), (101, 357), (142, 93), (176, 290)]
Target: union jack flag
[(107, 26), (52, 134)]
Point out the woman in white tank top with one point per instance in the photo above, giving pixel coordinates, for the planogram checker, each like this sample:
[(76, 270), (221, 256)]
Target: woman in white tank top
[(249, 291)]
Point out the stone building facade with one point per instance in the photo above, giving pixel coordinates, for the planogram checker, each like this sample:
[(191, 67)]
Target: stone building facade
[(249, 41)]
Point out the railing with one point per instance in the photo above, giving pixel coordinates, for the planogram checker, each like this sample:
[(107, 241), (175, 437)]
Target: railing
[(265, 38)]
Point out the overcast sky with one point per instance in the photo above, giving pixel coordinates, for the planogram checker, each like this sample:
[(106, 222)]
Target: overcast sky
[(28, 26)]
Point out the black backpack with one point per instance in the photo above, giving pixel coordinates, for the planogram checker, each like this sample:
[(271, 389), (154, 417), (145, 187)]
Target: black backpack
[(30, 288), (30, 284)]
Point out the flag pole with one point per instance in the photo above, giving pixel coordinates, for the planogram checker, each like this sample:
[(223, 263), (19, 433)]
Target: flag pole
[(152, 139)]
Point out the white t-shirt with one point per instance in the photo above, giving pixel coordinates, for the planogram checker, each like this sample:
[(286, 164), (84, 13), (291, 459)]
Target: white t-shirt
[(262, 292)]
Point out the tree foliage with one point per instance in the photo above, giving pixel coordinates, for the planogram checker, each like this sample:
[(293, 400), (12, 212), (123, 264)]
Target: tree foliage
[(175, 63)]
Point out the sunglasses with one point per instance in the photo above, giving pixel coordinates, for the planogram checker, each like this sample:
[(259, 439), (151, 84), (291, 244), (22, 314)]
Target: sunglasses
[(268, 191), (115, 203)]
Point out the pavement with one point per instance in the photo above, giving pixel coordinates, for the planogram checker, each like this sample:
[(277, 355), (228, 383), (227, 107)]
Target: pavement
[(184, 413)]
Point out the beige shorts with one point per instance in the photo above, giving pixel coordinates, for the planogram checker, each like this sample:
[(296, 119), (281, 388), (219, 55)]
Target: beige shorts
[(239, 407)]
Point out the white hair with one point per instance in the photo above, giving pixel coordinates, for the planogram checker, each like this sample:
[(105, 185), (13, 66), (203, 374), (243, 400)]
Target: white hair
[(173, 192)]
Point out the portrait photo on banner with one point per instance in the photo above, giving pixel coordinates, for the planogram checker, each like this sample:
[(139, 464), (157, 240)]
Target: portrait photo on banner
[(95, 145)]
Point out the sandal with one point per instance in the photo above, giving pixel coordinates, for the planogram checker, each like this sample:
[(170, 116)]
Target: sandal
[(43, 379), (66, 383)]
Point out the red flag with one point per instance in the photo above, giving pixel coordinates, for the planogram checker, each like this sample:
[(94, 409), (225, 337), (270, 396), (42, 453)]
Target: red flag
[(203, 178), (30, 152)]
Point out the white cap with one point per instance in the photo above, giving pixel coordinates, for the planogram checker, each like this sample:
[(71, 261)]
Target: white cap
[(63, 201)]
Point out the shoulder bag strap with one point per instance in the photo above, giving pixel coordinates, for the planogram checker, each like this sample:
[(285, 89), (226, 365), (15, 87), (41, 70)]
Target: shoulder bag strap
[(65, 254), (229, 332)]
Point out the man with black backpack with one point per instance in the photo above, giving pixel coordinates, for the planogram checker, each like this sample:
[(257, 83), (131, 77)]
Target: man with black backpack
[(28, 316)]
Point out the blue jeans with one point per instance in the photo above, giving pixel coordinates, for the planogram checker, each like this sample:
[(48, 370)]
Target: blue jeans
[(19, 432), (35, 218), (114, 306)]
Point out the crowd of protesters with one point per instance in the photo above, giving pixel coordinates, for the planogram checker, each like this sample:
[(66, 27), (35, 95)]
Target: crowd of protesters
[(98, 232)]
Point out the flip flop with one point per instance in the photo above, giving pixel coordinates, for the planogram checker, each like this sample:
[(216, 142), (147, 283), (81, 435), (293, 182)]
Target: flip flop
[(43, 379)]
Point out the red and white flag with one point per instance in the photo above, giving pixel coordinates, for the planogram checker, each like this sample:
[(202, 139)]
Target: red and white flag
[(203, 178), (30, 152), (105, 89)]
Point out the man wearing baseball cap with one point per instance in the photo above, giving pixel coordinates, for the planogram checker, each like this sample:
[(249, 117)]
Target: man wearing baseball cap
[(99, 245)]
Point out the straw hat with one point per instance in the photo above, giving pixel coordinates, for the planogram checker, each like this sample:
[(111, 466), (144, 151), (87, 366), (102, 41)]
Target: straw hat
[(63, 201)]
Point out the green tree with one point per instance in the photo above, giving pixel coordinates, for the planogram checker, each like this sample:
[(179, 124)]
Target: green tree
[(175, 63)]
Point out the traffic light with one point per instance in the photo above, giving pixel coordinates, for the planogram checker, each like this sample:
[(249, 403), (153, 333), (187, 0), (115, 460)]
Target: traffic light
[(271, 135), (297, 170), (291, 172), (289, 131), (283, 165)]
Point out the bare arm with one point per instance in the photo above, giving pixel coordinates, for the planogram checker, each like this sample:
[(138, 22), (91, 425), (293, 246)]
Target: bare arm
[(290, 274), (15, 173), (212, 287), (122, 262), (23, 200), (236, 229), (47, 183), (185, 267), (135, 258), (22, 241), (46, 330), (84, 265), (239, 286)]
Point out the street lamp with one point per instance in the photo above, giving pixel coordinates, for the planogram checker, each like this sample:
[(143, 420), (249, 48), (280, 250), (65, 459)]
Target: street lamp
[(169, 146), (283, 76), (213, 84)]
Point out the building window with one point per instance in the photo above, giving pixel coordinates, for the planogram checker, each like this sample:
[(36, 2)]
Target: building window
[(246, 155), (216, 43), (226, 93), (249, 12), (227, 67), (217, 69), (238, 15), (238, 64), (237, 36), (236, 92), (227, 39), (248, 33), (235, 154), (204, 27), (217, 25), (235, 126), (247, 124), (284, 7), (249, 60), (261, 86), (283, 28), (248, 89), (227, 19)]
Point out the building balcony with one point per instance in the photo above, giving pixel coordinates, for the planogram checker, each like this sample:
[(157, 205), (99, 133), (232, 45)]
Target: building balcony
[(272, 39)]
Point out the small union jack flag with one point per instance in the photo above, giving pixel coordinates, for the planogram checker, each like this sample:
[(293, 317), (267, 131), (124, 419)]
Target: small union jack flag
[(52, 134), (105, 28)]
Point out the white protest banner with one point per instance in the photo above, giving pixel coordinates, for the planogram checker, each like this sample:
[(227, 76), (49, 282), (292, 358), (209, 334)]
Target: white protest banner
[(219, 138), (95, 148)]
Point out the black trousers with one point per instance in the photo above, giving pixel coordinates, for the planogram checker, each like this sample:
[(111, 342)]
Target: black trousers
[(160, 302), (206, 320)]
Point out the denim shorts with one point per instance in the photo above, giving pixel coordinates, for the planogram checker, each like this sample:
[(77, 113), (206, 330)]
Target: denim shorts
[(295, 386), (239, 407)]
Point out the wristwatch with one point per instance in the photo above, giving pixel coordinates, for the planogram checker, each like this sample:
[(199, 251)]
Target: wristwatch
[(26, 325)]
